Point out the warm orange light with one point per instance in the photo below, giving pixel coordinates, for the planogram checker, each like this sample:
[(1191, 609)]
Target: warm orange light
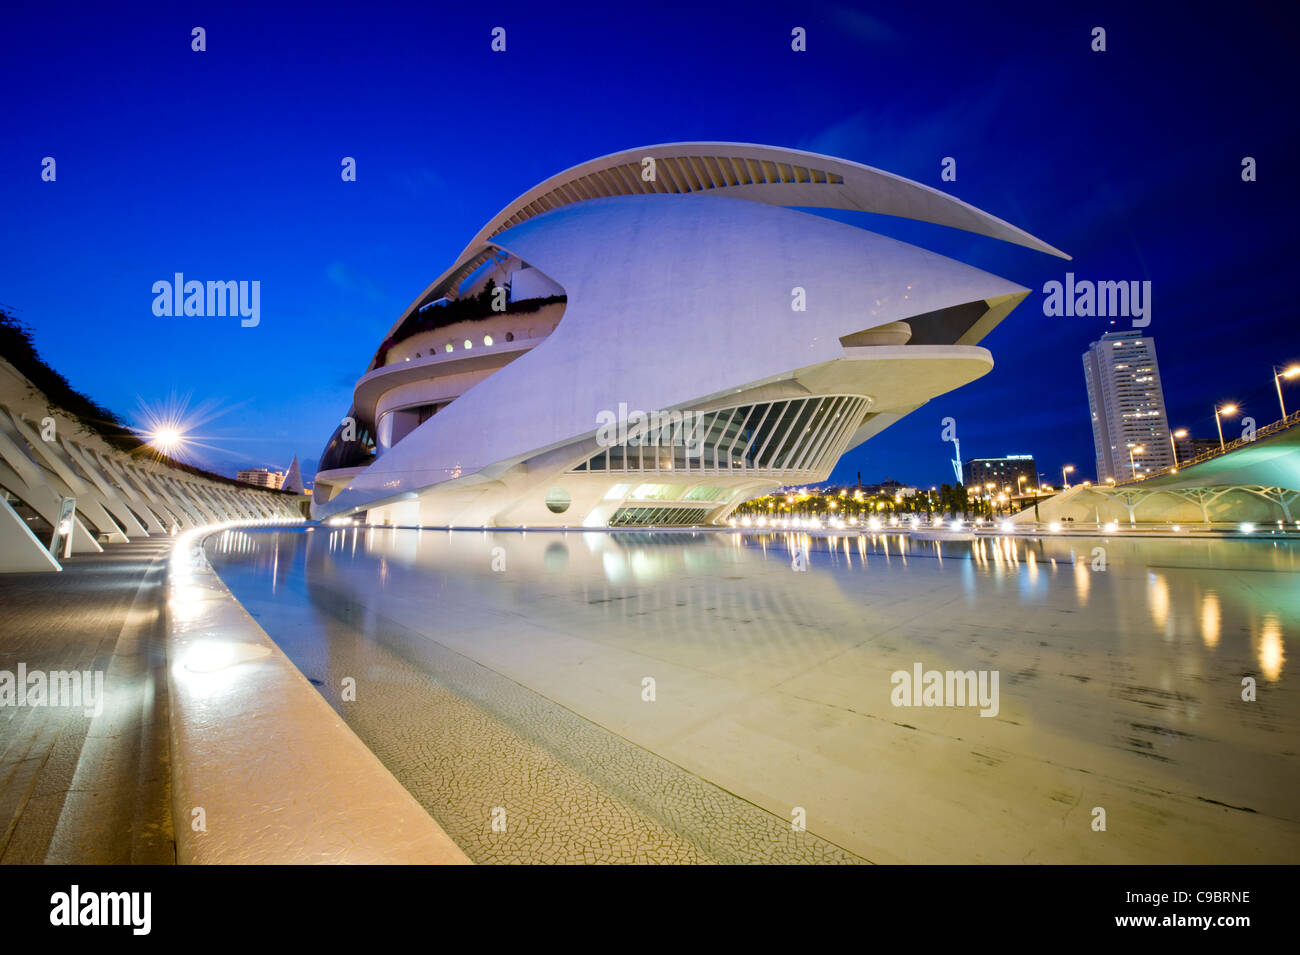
[(1180, 433), (1228, 409), (1291, 372)]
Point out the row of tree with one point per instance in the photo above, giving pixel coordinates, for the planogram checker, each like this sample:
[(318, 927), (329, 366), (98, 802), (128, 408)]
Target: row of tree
[(947, 500)]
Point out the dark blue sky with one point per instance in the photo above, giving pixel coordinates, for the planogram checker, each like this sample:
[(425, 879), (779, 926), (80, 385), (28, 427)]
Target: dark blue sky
[(225, 165)]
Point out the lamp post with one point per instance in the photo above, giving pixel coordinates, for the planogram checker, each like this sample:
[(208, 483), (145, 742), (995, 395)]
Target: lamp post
[(1278, 375), (1132, 450), (1180, 433), (1069, 468), (1225, 410)]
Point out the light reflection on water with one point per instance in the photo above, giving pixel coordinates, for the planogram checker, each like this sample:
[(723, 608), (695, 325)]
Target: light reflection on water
[(1206, 589), (1122, 663)]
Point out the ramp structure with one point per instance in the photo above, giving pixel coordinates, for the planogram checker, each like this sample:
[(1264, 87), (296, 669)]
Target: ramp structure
[(1254, 481)]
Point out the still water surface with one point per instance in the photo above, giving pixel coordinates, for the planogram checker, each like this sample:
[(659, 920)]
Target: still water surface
[(658, 697)]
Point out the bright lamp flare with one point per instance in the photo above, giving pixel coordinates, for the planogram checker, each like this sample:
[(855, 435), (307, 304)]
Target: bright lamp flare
[(167, 439), (172, 428)]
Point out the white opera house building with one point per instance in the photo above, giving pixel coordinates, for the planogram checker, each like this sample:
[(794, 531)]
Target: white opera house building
[(653, 337)]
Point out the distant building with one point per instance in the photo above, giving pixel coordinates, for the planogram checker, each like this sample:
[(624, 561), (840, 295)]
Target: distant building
[(887, 487), (1001, 472), (1190, 447), (1127, 404), (261, 477)]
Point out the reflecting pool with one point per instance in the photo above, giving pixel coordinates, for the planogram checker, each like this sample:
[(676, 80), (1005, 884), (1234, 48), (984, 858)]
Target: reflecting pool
[(697, 697)]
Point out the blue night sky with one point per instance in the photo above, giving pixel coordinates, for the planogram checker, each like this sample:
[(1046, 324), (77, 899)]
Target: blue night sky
[(225, 165)]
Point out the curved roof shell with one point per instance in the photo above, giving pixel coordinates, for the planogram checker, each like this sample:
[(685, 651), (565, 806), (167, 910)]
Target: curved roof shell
[(765, 174)]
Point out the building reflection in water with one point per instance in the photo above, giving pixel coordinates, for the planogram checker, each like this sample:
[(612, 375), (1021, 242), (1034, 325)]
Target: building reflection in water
[(1082, 581), (732, 593), (1271, 652), (1158, 600), (1210, 619)]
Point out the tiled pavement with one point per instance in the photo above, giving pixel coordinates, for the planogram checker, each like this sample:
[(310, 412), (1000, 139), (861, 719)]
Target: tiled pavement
[(76, 788)]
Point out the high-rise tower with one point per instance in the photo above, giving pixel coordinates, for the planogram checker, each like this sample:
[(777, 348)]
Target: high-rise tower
[(1127, 403)]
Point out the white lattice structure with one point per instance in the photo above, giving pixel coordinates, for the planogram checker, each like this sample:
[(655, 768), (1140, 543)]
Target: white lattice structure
[(47, 457)]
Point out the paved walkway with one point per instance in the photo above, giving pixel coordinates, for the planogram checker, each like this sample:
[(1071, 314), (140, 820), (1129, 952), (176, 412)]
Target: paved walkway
[(88, 789)]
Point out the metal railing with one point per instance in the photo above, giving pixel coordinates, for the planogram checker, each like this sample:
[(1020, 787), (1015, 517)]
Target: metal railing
[(1280, 425)]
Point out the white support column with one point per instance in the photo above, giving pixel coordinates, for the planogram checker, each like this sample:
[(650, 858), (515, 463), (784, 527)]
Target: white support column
[(184, 494), (235, 503), (152, 515), (179, 516), (216, 501), (186, 491), (109, 494), (34, 488), (21, 552), (89, 501)]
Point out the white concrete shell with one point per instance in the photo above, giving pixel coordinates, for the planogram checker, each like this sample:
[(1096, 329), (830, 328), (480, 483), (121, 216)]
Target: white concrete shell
[(680, 299)]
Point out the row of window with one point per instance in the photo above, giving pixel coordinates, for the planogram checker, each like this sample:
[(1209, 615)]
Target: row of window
[(468, 344)]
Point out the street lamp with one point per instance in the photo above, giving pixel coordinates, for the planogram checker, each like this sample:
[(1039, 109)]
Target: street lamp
[(1068, 469), (1180, 433), (1278, 375), (1225, 410), (1132, 450)]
